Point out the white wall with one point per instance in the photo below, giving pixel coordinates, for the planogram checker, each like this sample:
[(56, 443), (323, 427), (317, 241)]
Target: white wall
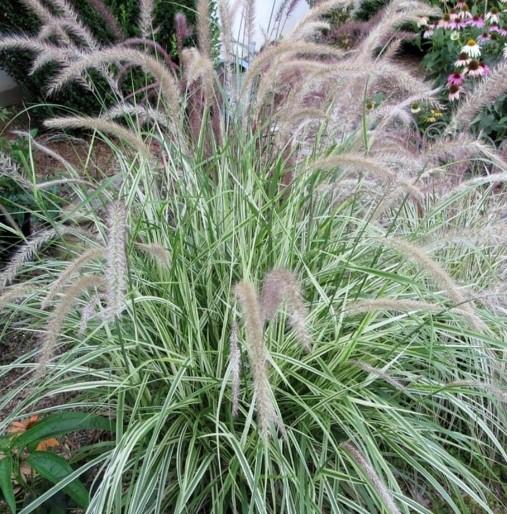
[(265, 13)]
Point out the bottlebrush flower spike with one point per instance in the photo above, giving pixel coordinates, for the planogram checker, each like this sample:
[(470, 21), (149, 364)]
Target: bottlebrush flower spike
[(280, 286), (116, 269), (257, 354)]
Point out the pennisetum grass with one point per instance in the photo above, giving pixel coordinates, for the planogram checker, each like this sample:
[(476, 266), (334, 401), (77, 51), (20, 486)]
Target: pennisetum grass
[(257, 352), (217, 189)]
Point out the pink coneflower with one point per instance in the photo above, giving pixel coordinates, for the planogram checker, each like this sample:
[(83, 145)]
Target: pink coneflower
[(454, 93), (455, 79), (484, 38), (494, 29), (463, 60), (475, 69), (503, 31), (453, 15), (485, 69), (445, 22), (493, 16), (476, 21), (471, 48)]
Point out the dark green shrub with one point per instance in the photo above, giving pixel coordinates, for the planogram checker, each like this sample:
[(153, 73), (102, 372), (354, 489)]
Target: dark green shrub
[(16, 18)]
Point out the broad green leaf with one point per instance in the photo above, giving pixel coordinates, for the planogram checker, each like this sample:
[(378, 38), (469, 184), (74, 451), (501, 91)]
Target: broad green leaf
[(5, 443), (6, 483), (55, 468), (59, 424)]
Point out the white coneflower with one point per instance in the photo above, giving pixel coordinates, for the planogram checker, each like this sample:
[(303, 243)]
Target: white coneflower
[(471, 48), (463, 60), (257, 353), (428, 33), (116, 269), (493, 16), (505, 52), (361, 461)]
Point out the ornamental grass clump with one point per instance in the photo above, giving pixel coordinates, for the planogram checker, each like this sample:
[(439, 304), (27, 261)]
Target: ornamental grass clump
[(252, 296)]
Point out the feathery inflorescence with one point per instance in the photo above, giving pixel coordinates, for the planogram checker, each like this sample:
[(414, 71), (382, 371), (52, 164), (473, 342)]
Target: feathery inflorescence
[(167, 83), (146, 8), (106, 126), (27, 251), (381, 373), (489, 90), (280, 286), (75, 266), (203, 27), (157, 252), (439, 276), (108, 17), (392, 304), (370, 473), (116, 260), (13, 293), (257, 353), (56, 321), (235, 363), (88, 312)]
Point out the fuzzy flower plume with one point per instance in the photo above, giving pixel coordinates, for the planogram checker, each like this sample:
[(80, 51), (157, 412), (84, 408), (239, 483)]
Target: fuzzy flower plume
[(157, 252), (389, 304), (257, 353), (235, 363), (106, 126), (374, 167), (68, 272), (493, 87), (280, 286), (440, 277), (203, 28), (146, 8), (88, 312), (12, 294), (166, 80), (55, 324), (362, 462), (108, 17), (26, 252), (116, 260)]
